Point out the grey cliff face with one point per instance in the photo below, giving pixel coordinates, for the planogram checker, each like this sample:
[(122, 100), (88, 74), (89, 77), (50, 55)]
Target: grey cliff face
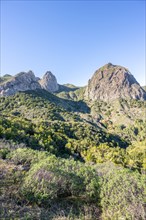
[(49, 82), (27, 81), (111, 82), (21, 82)]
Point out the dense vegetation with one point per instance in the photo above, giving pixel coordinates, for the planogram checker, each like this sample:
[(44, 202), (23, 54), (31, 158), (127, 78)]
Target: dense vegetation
[(67, 159)]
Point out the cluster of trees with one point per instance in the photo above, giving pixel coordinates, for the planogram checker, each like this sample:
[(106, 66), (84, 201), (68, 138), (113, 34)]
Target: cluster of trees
[(132, 157), (134, 132), (79, 140)]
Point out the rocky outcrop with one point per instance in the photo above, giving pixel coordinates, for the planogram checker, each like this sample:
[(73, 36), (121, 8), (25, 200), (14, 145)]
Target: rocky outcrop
[(27, 81), (111, 82), (49, 82), (21, 82), (108, 83)]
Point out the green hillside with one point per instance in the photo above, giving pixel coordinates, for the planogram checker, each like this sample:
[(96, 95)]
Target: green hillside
[(65, 158)]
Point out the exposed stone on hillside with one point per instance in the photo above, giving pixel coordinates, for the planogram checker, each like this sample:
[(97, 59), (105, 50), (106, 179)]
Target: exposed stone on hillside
[(111, 82), (49, 82), (21, 82)]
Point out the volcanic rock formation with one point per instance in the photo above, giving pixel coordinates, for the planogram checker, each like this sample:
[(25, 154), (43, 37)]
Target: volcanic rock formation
[(111, 82), (49, 82), (21, 82)]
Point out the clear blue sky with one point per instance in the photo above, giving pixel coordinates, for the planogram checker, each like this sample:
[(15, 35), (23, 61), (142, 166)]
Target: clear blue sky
[(72, 38)]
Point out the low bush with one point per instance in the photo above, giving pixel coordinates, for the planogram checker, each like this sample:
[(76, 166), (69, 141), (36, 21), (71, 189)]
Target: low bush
[(122, 193), (26, 156), (55, 178)]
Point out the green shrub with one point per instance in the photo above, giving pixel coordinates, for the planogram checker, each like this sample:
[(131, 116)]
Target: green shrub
[(3, 153), (122, 194), (135, 156), (55, 178), (26, 156)]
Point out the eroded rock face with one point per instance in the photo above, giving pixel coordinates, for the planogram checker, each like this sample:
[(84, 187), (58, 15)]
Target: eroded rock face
[(21, 82), (111, 82), (27, 81), (49, 82)]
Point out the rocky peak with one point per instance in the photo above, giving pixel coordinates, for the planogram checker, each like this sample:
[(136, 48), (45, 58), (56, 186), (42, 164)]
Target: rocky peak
[(111, 82), (26, 76), (21, 82), (24, 81), (49, 82)]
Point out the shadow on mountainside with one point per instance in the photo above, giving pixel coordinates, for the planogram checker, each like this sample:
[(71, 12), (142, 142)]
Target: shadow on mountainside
[(69, 105), (67, 88)]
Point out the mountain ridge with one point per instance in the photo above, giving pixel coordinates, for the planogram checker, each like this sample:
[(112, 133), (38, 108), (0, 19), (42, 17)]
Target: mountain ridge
[(108, 83)]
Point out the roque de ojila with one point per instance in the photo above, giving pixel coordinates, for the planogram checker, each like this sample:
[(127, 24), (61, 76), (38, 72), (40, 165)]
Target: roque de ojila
[(112, 82), (72, 153)]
